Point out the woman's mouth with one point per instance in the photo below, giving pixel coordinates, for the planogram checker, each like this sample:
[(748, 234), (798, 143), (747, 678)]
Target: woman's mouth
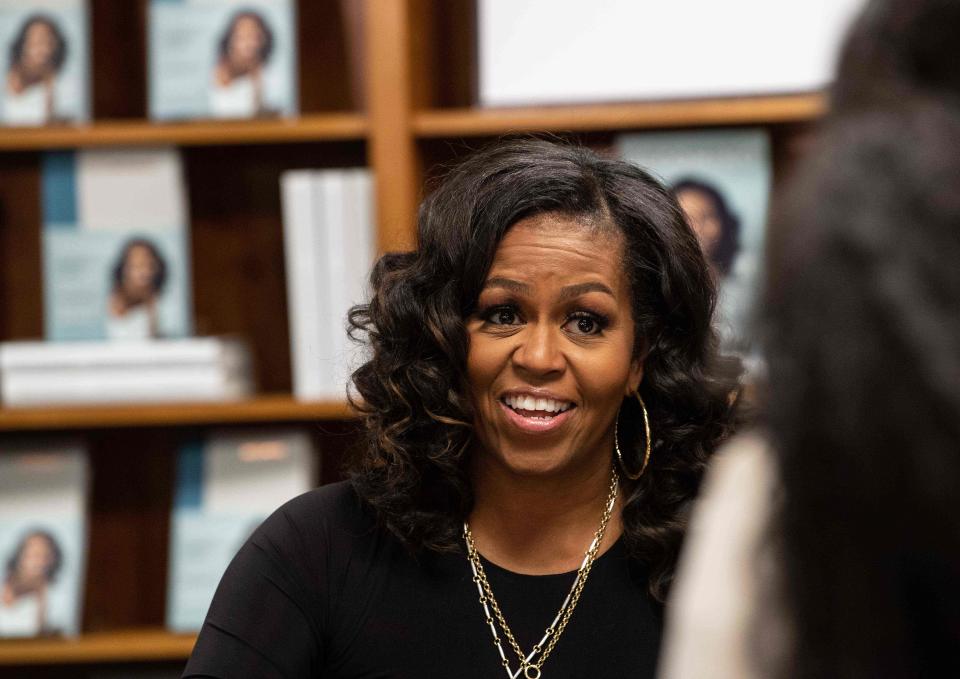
[(534, 414)]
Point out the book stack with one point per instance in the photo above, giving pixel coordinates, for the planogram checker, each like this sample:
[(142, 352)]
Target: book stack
[(226, 486), (43, 536), (49, 373), (329, 243)]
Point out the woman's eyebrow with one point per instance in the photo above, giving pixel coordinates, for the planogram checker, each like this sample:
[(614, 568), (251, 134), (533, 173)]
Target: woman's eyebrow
[(571, 291), (507, 284)]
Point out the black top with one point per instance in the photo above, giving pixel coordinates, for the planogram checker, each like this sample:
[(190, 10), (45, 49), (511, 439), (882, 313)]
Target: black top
[(320, 590)]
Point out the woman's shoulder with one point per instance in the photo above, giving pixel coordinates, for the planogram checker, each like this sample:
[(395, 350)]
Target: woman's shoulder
[(333, 506)]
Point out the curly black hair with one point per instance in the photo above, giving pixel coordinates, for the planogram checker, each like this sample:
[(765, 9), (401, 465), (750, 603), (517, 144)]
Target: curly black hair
[(413, 394), (16, 47)]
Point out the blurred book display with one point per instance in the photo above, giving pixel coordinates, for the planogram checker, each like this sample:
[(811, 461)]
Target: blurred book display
[(222, 59), (115, 263), (722, 179), (226, 486), (200, 369), (548, 52), (45, 47), (43, 537), (329, 241)]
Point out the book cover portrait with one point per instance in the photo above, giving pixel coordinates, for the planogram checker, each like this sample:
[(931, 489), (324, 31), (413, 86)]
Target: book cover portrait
[(44, 47), (222, 59), (721, 179)]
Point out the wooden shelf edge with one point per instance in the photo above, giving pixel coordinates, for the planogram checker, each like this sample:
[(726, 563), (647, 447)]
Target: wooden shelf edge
[(144, 645), (267, 408), (311, 127), (465, 122)]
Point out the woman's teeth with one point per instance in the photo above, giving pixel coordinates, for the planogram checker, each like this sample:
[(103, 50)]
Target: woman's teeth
[(538, 405)]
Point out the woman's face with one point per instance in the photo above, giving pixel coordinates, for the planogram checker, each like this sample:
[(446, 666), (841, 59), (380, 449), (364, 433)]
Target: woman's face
[(139, 271), (551, 347), (38, 47), (703, 217), (35, 559), (246, 42)]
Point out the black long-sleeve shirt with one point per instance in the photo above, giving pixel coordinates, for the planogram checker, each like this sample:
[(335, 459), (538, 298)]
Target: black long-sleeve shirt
[(320, 590)]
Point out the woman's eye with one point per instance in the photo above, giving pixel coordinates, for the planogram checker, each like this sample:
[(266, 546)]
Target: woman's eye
[(584, 324), (502, 316)]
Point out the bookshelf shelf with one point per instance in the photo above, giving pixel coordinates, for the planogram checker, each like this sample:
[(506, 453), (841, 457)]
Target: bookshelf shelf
[(267, 408), (465, 122), (315, 127), (139, 645)]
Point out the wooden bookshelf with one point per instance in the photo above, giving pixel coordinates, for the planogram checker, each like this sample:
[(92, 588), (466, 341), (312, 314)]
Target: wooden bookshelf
[(467, 122), (268, 408), (414, 68), (306, 128), (135, 645)]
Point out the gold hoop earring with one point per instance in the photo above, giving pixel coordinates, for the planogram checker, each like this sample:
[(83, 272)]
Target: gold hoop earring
[(646, 431)]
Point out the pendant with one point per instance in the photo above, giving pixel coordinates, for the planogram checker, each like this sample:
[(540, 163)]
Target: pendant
[(531, 672)]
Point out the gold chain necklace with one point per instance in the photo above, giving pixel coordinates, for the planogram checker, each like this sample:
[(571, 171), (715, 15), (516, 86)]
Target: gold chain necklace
[(530, 664)]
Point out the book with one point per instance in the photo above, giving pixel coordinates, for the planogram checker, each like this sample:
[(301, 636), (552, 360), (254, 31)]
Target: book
[(329, 244), (545, 52), (222, 59), (59, 356), (226, 486), (46, 60), (47, 373), (722, 180), (43, 536), (115, 252)]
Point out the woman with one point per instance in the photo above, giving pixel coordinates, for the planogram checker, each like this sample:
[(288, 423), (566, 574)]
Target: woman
[(36, 57), (831, 547), (543, 392), (717, 228), (31, 570), (243, 52), (138, 279)]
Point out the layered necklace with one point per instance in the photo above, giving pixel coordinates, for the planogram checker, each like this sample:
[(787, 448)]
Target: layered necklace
[(532, 662)]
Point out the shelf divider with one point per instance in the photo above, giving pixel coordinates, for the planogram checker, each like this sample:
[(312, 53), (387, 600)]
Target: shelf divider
[(134, 645), (306, 128), (474, 121), (265, 408)]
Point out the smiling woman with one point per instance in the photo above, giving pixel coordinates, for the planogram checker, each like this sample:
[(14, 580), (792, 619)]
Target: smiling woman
[(543, 391)]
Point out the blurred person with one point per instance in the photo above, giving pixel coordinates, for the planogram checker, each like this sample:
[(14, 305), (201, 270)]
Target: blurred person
[(716, 226), (829, 545), (238, 78), (30, 571), (138, 280), (36, 56)]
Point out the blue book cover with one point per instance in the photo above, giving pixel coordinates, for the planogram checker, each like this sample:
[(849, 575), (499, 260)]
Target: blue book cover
[(225, 487), (45, 48), (222, 59), (43, 537), (722, 181), (115, 245)]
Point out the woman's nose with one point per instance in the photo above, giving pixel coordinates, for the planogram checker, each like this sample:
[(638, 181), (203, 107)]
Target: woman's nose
[(539, 351)]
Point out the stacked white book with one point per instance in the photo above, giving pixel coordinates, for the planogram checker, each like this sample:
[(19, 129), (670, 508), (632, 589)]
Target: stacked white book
[(48, 373), (328, 225)]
